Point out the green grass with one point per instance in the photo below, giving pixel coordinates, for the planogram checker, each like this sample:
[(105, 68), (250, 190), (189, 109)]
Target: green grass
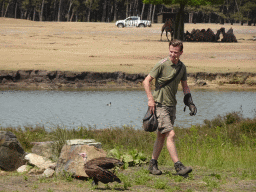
[(225, 144)]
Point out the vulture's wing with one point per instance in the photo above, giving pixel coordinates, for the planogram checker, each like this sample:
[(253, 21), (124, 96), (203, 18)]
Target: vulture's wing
[(101, 174), (104, 162)]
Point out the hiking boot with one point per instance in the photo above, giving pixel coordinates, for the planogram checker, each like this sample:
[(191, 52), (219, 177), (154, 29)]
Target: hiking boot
[(153, 168), (181, 169)]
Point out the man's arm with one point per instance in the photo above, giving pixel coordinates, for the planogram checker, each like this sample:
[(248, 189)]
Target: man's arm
[(146, 84), (185, 87)]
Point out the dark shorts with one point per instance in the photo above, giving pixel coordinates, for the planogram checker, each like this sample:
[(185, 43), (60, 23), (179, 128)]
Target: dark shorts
[(166, 116)]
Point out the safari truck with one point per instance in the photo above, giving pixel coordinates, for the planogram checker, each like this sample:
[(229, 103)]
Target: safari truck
[(133, 21)]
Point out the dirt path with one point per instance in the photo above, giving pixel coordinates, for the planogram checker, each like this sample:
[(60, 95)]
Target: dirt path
[(134, 179)]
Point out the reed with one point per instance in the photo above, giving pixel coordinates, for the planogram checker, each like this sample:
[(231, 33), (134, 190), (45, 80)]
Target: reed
[(230, 145)]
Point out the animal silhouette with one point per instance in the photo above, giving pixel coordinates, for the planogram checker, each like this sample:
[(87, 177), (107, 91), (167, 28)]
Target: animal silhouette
[(187, 36), (229, 36), (217, 35), (168, 27), (202, 35), (97, 169), (209, 35), (197, 35)]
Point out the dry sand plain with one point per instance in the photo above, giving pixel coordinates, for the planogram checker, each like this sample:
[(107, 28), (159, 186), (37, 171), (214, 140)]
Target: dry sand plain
[(102, 47)]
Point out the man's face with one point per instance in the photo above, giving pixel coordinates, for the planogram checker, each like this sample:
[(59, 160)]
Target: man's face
[(175, 54)]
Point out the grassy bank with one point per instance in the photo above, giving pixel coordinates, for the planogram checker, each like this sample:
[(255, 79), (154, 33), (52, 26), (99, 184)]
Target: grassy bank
[(224, 142), (220, 151)]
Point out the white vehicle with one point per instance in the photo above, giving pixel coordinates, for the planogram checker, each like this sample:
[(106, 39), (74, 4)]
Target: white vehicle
[(133, 21)]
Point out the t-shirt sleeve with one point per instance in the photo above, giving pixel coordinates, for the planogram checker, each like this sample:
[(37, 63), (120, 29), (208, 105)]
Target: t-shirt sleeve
[(184, 77), (156, 70)]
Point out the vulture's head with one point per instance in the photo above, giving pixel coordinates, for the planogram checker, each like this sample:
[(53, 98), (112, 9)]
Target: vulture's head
[(84, 155)]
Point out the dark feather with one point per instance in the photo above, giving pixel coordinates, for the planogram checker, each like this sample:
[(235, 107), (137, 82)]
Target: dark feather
[(97, 169)]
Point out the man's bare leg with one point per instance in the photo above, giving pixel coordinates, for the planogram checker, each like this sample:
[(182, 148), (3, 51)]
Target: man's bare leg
[(179, 167), (158, 146), (171, 146)]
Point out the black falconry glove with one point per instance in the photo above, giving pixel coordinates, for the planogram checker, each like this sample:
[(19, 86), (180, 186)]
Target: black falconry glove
[(189, 102)]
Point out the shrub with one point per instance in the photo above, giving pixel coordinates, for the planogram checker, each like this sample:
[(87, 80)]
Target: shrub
[(248, 126), (233, 117)]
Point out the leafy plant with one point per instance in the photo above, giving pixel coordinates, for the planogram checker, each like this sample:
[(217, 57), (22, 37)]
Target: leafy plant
[(132, 158), (25, 177)]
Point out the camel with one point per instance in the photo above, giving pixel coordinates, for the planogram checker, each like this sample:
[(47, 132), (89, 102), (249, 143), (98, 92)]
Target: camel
[(168, 27), (209, 36), (97, 169), (217, 36), (202, 35), (229, 36), (187, 36), (197, 35)]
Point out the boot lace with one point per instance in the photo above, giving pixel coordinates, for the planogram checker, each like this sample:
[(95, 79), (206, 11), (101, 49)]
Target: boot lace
[(179, 166)]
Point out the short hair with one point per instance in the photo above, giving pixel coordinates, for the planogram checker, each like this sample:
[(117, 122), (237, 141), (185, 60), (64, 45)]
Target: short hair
[(175, 43)]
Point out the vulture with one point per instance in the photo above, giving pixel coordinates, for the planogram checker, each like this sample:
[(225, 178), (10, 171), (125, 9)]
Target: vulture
[(97, 169)]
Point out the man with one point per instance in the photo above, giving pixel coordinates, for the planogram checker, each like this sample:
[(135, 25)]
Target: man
[(163, 102)]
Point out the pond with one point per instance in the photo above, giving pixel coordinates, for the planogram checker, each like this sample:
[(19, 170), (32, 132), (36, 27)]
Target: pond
[(89, 108)]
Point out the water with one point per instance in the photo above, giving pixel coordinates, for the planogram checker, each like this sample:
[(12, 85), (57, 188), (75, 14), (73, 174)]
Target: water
[(74, 109)]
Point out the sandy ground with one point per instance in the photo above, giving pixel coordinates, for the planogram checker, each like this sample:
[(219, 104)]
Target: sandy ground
[(103, 47)]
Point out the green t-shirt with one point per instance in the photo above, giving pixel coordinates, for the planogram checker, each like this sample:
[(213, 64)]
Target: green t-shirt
[(163, 71)]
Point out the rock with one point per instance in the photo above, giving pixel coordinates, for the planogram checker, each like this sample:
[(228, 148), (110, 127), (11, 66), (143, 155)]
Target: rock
[(201, 83), (11, 151), (36, 171), (90, 142), (53, 166), (96, 144), (80, 141), (23, 168), (21, 74), (48, 172), (70, 160), (44, 149), (39, 161)]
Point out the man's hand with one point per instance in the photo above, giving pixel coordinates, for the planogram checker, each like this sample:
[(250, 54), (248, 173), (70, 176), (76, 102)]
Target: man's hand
[(193, 109), (152, 105), (189, 102), (151, 102)]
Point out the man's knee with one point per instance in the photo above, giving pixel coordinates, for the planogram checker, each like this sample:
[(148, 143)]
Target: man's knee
[(161, 136), (170, 135)]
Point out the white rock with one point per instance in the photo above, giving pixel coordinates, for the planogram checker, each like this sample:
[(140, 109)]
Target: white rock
[(48, 172), (39, 161), (80, 141), (23, 168)]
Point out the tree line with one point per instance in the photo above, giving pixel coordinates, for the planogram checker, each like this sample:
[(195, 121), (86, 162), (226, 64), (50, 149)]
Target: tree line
[(111, 10)]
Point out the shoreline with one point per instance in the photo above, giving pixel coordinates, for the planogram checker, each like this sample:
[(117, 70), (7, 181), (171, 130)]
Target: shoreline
[(82, 81)]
